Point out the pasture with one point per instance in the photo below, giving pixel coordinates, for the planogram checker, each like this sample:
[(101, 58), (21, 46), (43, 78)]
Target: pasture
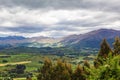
[(33, 62)]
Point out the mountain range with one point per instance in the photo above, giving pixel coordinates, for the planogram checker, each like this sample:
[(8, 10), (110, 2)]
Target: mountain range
[(91, 39), (88, 40)]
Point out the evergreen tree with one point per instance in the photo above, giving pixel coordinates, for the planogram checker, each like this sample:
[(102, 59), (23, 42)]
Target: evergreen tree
[(97, 63), (104, 52), (104, 49), (78, 74), (46, 70), (86, 64), (109, 71), (62, 71), (116, 46)]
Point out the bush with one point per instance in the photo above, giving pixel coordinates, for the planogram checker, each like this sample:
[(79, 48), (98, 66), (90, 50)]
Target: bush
[(4, 61)]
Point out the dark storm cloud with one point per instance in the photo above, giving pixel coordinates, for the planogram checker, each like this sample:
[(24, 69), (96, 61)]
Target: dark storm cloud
[(111, 5)]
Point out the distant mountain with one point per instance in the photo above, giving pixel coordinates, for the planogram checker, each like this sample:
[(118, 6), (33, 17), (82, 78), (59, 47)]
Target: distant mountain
[(16, 41), (12, 38), (90, 39), (41, 42), (43, 39)]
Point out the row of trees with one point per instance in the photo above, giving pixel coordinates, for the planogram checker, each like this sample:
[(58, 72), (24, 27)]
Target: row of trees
[(106, 51), (105, 48), (62, 71), (106, 66)]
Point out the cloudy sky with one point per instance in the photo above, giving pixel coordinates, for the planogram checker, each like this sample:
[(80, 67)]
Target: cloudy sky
[(57, 18)]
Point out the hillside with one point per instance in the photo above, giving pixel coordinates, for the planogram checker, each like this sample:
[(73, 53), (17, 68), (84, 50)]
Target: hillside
[(90, 39)]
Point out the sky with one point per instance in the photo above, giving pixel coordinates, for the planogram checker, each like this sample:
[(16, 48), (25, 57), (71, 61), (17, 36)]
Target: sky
[(57, 18)]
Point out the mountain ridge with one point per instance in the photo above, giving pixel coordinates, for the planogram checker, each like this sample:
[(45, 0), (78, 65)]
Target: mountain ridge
[(91, 39)]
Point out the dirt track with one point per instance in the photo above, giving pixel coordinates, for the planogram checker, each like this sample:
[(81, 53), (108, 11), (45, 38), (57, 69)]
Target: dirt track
[(23, 62)]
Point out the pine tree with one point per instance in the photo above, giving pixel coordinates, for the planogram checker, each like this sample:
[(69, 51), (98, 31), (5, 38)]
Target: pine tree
[(46, 70), (116, 45), (62, 71), (104, 52), (78, 74), (104, 49), (69, 68), (98, 62), (86, 64)]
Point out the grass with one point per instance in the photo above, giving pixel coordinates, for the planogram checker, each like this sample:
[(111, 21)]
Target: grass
[(31, 61)]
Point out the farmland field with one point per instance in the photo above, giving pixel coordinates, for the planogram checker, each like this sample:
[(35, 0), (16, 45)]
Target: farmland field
[(33, 62)]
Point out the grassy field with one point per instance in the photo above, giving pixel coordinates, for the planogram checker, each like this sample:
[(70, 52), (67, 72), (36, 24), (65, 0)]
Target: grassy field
[(34, 61)]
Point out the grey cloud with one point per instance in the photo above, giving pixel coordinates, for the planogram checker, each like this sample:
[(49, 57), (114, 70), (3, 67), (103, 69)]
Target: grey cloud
[(62, 27), (40, 3), (26, 29), (111, 5), (93, 22), (80, 23), (34, 29), (96, 20)]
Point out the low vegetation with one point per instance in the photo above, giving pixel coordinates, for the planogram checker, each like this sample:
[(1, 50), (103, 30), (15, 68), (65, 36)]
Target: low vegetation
[(104, 66)]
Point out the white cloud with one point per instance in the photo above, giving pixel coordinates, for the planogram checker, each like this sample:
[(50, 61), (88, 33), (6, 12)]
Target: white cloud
[(23, 21)]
